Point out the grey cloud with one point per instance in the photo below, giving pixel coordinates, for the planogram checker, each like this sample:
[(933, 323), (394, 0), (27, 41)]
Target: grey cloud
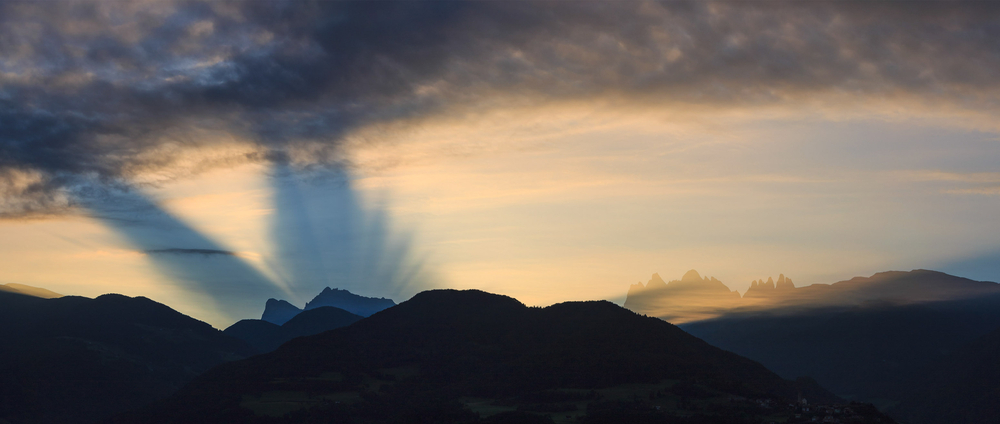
[(98, 93)]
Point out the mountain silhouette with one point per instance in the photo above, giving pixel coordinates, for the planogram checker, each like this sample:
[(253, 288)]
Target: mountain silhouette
[(355, 304), (693, 299), (279, 311), (769, 287), (77, 360), (962, 388), (690, 298), (460, 356), (871, 339), (29, 290), (265, 336), (896, 287)]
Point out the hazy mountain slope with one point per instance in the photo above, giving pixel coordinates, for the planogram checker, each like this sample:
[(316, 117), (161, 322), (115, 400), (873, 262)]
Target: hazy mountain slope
[(29, 290), (899, 287), (77, 360), (870, 352), (963, 388), (265, 336), (444, 347), (692, 299)]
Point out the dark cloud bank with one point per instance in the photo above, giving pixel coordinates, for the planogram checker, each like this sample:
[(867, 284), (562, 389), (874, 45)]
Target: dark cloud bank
[(93, 96)]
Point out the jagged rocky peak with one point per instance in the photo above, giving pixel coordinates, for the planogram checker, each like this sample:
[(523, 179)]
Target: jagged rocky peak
[(279, 311), (635, 289), (760, 287), (691, 276), (768, 285), (655, 282), (689, 298), (355, 304), (784, 283)]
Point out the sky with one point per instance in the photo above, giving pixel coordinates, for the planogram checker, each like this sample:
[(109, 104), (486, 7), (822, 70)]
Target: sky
[(211, 155)]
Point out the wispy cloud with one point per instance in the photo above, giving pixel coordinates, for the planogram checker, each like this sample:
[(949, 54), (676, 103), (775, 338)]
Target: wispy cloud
[(988, 191), (961, 183), (180, 251), (962, 177)]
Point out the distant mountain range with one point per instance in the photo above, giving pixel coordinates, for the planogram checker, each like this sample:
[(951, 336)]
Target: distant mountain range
[(688, 299), (266, 336), (77, 360), (869, 338), (921, 345), (470, 356), (282, 321), (693, 298), (280, 311), (29, 290)]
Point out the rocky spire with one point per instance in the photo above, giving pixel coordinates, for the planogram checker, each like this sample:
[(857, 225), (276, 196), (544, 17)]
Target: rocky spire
[(768, 285), (656, 282), (635, 289), (279, 311), (691, 276), (784, 283)]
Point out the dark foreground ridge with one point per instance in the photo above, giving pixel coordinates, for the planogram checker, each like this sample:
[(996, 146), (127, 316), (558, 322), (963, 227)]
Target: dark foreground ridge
[(471, 356), (78, 360)]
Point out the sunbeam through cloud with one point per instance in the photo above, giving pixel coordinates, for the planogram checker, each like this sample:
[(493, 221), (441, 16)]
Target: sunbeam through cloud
[(325, 235)]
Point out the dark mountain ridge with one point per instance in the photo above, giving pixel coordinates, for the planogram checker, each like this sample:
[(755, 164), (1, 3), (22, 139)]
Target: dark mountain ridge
[(343, 299), (898, 287), (695, 299), (873, 339), (29, 290), (280, 311), (265, 336), (447, 346), (76, 360)]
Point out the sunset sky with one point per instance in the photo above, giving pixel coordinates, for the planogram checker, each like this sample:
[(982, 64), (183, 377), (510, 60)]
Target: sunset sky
[(210, 155)]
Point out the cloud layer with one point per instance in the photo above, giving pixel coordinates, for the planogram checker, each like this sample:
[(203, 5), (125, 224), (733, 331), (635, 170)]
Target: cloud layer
[(104, 95)]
